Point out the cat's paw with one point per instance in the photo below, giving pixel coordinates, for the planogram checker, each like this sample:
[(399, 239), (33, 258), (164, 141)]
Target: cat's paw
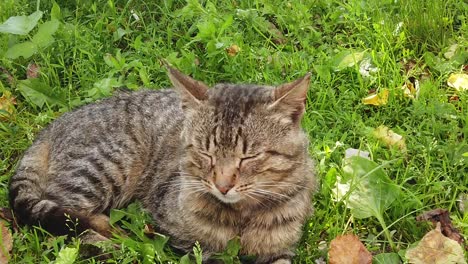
[(282, 261)]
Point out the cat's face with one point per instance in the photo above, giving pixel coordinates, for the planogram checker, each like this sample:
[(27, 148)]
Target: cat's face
[(243, 143)]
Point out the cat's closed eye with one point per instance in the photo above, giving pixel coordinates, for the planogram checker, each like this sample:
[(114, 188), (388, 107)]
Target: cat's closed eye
[(249, 158), (208, 158)]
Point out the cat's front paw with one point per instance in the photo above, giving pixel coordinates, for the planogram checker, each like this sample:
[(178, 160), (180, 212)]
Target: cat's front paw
[(282, 261)]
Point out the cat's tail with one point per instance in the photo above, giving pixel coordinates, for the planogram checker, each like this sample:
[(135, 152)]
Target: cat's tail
[(31, 205)]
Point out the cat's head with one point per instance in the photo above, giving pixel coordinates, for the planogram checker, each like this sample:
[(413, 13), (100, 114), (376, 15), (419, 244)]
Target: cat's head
[(243, 143)]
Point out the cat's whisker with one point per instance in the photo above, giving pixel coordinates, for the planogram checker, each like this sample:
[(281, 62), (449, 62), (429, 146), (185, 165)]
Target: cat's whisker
[(272, 194), (278, 184), (184, 188), (264, 197), (255, 199)]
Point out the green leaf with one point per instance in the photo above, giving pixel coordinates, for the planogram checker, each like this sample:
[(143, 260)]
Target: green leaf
[(116, 215), (25, 50), (233, 247), (20, 25), (148, 252), (386, 258), (105, 86), (55, 12), (370, 190), (206, 30), (159, 242), (66, 256), (323, 71), (43, 37), (39, 93), (185, 259), (346, 59), (120, 32)]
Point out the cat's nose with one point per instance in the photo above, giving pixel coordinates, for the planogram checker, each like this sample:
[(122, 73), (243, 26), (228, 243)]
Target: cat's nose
[(224, 188)]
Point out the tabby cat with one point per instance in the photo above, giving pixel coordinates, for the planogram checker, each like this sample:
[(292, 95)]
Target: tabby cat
[(208, 164)]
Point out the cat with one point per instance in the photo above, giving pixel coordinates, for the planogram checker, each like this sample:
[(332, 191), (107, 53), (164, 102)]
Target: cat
[(208, 164)]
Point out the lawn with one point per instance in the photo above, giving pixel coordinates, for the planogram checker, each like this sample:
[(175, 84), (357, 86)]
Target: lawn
[(71, 53)]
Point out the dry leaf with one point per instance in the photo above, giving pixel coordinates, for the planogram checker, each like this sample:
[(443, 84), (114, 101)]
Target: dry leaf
[(233, 50), (32, 71), (277, 35), (411, 89), (463, 202), (7, 105), (7, 215), (9, 76), (408, 65), (389, 138), (459, 81), (442, 217), (451, 51), (149, 231), (356, 152), (6, 243), (435, 248), (377, 99), (348, 249)]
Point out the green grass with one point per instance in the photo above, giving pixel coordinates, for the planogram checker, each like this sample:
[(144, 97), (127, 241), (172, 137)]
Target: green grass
[(102, 45)]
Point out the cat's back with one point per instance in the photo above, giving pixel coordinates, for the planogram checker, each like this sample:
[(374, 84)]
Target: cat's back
[(125, 111), (126, 124)]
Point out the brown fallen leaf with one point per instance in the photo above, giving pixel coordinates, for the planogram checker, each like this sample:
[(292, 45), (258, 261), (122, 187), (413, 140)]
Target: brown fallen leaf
[(33, 71), (442, 217), (7, 215), (149, 231), (277, 35), (6, 243), (233, 50), (11, 80), (348, 249), (435, 248)]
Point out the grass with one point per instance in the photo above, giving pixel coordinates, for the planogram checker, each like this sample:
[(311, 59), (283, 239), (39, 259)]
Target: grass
[(102, 45)]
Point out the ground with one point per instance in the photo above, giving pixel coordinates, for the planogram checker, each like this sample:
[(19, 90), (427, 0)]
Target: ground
[(404, 51)]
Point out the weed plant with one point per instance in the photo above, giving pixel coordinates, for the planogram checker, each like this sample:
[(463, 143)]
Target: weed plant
[(99, 46)]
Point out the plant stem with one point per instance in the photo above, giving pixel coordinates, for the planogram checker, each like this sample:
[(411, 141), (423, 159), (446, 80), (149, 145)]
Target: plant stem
[(386, 232)]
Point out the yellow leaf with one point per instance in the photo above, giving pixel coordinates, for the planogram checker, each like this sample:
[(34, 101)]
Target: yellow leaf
[(389, 138), (411, 90), (458, 81), (435, 248), (377, 99), (7, 105)]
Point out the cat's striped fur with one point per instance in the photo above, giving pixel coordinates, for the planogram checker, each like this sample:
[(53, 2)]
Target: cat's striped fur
[(208, 164)]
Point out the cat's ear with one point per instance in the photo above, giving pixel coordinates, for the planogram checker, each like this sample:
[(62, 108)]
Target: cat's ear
[(290, 98), (192, 91)]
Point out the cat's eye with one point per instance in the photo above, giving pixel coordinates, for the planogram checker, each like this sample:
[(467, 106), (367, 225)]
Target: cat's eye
[(208, 157), (248, 158)]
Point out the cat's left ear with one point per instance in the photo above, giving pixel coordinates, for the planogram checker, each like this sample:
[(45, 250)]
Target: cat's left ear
[(291, 98), (192, 91)]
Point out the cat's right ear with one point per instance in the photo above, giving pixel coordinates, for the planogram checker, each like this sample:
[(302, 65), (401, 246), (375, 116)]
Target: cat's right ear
[(192, 92)]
